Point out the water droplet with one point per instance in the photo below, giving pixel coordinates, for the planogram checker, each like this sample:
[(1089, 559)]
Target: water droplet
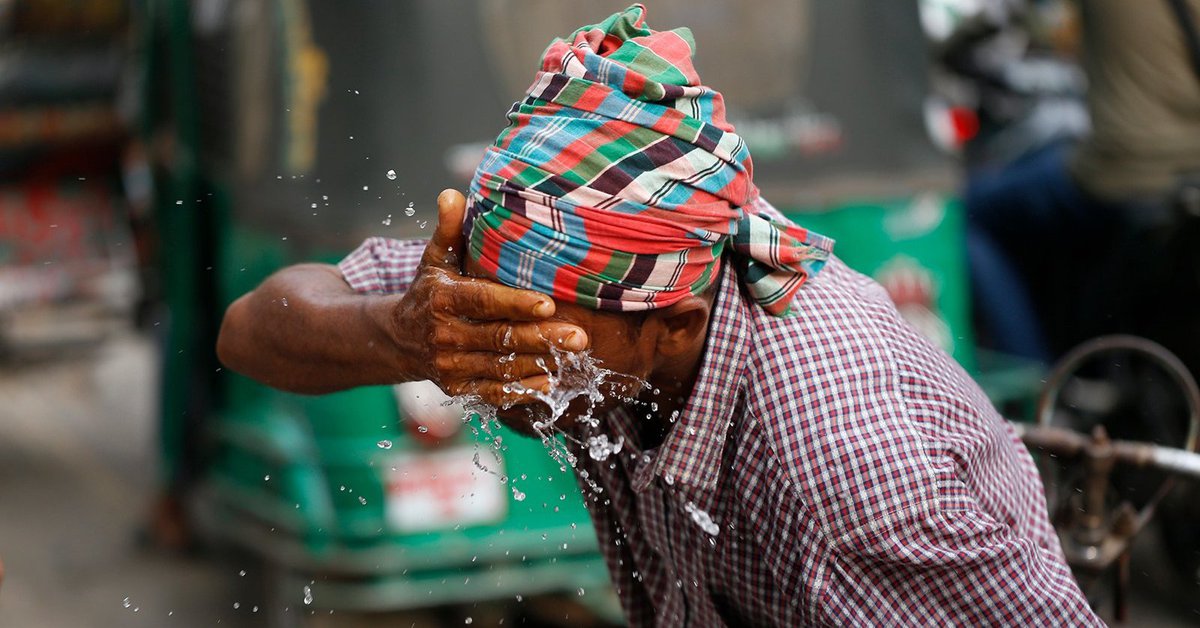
[(387, 222), (467, 620), (518, 495), (384, 444), (307, 595), (242, 573), (519, 598), (581, 591), (314, 206), (283, 300), (421, 224), (599, 447), (179, 202), (267, 478), (237, 605), (391, 174), (362, 500), (126, 603), (366, 187), (702, 519), (410, 210)]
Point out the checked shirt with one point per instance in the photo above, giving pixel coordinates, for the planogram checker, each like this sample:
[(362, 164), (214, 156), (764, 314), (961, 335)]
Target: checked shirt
[(832, 468)]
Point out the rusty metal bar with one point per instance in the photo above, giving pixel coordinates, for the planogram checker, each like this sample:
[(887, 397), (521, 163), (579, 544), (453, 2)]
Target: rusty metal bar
[(1070, 444)]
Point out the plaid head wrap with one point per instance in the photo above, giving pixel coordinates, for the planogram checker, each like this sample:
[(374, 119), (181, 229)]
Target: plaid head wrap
[(618, 184)]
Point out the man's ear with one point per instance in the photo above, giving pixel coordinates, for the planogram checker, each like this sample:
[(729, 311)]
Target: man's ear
[(682, 326)]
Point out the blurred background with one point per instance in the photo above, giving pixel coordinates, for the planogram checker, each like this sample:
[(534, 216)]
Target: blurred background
[(1014, 180)]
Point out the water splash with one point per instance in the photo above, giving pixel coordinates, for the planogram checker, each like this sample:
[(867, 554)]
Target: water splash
[(600, 448), (576, 375)]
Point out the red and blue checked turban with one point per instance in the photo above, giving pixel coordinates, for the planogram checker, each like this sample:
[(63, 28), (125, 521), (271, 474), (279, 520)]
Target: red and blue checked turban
[(618, 184)]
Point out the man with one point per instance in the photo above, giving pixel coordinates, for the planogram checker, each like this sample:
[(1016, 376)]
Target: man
[(799, 456)]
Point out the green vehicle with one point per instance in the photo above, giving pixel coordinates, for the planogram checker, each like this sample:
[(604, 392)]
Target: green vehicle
[(298, 128), (368, 500)]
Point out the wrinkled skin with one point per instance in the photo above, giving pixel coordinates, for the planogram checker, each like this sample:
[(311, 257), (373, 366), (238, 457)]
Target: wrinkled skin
[(618, 343), (464, 324)]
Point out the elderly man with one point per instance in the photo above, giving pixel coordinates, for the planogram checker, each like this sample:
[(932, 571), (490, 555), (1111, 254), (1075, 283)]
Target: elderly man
[(799, 455)]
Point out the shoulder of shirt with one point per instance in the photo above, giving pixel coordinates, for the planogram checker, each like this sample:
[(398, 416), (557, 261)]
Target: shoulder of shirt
[(825, 386)]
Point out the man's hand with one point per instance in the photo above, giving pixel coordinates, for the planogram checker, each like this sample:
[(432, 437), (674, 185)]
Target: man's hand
[(306, 330), (474, 336)]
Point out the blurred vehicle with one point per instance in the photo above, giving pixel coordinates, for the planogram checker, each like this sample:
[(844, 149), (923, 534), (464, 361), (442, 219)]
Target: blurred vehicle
[(368, 500), (67, 258)]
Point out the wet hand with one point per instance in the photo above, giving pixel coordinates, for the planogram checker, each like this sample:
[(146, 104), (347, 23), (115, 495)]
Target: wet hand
[(478, 336)]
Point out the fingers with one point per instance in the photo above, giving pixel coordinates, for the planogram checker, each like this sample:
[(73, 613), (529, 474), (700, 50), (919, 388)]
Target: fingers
[(505, 337), (473, 298), (489, 301), (445, 247)]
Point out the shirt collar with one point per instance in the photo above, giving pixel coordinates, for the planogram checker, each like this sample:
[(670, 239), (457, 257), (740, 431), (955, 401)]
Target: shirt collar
[(691, 453)]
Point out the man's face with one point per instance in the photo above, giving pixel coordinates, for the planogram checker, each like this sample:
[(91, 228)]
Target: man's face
[(618, 341)]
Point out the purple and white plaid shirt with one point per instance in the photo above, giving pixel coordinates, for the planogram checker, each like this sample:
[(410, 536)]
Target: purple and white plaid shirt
[(832, 468)]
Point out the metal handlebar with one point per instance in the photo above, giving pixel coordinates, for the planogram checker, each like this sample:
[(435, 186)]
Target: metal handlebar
[(1065, 442)]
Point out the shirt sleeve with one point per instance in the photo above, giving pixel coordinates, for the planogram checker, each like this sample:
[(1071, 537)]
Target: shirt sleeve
[(382, 265), (951, 566)]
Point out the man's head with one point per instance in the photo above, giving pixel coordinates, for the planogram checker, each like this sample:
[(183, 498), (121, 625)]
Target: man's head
[(618, 188)]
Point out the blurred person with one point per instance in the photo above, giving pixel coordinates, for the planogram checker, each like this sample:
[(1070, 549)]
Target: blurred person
[(799, 454), (1055, 231)]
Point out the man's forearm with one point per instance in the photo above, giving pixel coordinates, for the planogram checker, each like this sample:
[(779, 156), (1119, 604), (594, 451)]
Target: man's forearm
[(305, 330)]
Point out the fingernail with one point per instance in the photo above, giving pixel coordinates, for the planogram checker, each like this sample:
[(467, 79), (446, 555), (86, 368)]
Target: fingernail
[(575, 341), (543, 308)]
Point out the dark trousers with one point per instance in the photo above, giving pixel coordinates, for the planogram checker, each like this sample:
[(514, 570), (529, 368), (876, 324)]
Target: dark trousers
[(1050, 264)]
